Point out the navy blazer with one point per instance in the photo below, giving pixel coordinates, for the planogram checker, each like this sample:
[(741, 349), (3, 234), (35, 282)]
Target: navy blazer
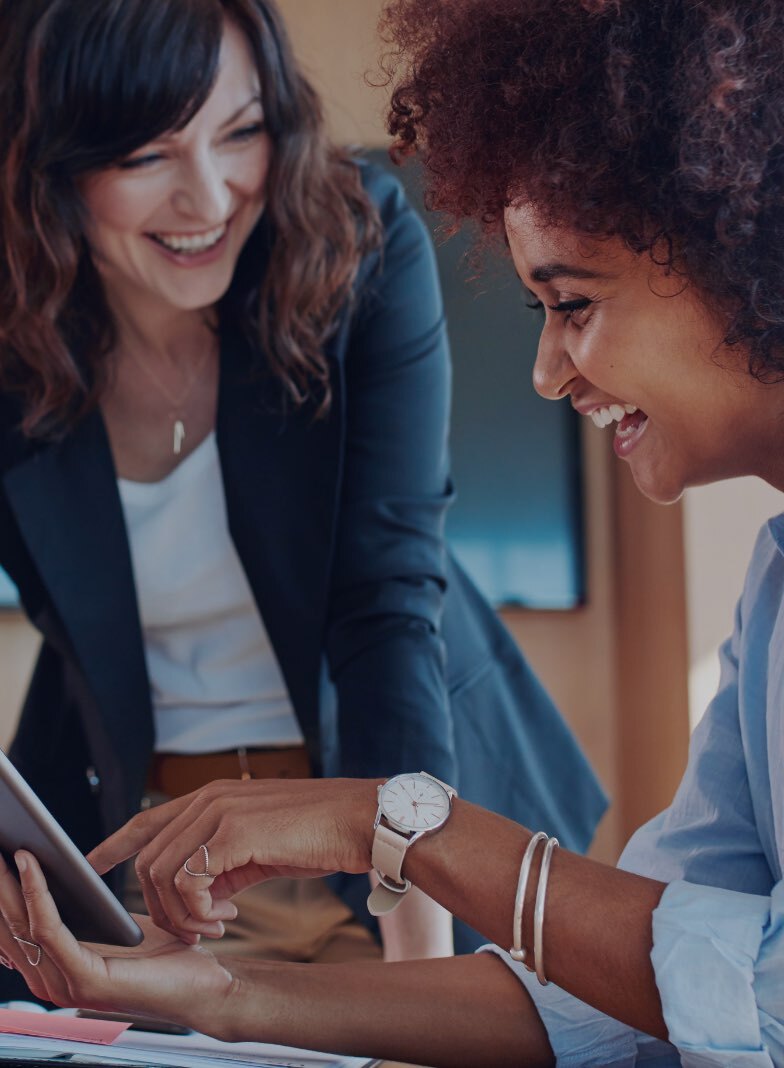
[(338, 523)]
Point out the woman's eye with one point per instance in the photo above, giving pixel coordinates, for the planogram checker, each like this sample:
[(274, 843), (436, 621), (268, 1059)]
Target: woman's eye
[(137, 162), (573, 310), (535, 305), (247, 133)]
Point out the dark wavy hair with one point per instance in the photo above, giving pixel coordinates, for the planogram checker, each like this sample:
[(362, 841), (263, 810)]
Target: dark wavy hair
[(660, 122), (83, 83)]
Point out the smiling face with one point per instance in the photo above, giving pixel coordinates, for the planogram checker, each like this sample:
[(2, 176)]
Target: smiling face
[(635, 349), (167, 225)]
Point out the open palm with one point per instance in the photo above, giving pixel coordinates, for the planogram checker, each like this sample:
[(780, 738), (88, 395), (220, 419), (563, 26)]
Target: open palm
[(159, 977)]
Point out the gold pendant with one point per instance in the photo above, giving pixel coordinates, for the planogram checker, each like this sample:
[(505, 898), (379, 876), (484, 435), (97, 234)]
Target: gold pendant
[(179, 436)]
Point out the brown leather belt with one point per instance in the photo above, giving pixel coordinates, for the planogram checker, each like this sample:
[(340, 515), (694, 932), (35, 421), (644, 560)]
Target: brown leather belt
[(175, 775)]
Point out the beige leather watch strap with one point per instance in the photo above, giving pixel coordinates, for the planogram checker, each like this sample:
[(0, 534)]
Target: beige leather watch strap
[(389, 851)]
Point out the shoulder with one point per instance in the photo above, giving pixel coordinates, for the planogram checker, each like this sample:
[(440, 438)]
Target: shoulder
[(384, 190), (407, 250), (765, 575), (770, 541), (401, 223)]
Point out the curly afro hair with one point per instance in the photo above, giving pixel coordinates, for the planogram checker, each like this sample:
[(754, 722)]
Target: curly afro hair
[(660, 122)]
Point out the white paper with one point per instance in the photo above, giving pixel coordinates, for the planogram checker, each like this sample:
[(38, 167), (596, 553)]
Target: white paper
[(177, 1051)]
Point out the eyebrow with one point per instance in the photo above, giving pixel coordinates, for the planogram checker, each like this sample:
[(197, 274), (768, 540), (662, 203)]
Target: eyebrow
[(548, 272)]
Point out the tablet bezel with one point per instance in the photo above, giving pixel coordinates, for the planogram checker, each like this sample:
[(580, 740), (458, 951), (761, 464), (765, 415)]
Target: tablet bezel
[(86, 904)]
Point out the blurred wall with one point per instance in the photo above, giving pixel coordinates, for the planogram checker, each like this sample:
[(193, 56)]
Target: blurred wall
[(721, 523)]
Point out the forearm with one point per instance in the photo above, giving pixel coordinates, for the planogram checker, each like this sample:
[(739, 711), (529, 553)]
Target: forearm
[(598, 920), (443, 1013), (597, 930)]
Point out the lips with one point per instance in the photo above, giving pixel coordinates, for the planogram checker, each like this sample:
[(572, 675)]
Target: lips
[(629, 433), (630, 423)]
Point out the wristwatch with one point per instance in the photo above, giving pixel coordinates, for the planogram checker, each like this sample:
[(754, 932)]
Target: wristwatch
[(409, 807)]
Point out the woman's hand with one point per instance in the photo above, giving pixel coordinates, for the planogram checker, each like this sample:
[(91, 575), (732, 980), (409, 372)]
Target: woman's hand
[(253, 830), (163, 977)]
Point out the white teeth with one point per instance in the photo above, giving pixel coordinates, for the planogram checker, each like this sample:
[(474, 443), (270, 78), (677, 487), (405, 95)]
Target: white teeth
[(612, 413), (191, 242)]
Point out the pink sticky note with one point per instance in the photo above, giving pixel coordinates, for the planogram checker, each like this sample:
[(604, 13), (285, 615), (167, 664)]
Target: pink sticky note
[(54, 1025)]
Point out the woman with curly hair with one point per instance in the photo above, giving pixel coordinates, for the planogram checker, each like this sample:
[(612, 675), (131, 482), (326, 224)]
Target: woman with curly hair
[(632, 154), (224, 397)]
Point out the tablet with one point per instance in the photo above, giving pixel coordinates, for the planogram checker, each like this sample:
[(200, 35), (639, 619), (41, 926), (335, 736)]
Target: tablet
[(86, 904)]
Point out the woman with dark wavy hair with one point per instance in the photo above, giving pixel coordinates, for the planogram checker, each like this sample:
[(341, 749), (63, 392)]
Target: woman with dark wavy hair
[(224, 393)]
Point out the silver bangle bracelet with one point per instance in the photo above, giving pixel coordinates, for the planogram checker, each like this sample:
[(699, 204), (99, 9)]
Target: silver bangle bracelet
[(541, 894), (517, 952)]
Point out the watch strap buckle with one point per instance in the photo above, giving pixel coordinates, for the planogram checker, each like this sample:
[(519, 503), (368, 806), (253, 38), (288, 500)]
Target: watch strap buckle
[(387, 895)]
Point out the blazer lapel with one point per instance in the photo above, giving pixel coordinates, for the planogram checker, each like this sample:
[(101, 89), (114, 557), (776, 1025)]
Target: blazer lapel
[(67, 505), (281, 476)]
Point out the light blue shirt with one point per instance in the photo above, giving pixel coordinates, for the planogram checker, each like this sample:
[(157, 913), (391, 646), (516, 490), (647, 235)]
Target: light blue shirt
[(718, 933)]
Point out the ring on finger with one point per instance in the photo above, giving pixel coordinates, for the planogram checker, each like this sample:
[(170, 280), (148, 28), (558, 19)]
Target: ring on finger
[(205, 857), (31, 950)]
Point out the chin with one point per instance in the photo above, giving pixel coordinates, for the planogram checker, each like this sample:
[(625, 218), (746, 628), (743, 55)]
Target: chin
[(658, 490), (198, 299)]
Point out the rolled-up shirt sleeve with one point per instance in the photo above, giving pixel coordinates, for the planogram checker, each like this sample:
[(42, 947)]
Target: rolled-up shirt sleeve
[(719, 962)]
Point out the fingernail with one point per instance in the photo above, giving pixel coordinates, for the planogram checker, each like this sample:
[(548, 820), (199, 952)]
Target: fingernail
[(21, 863)]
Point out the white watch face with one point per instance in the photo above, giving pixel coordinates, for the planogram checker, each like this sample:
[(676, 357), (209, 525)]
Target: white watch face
[(414, 803)]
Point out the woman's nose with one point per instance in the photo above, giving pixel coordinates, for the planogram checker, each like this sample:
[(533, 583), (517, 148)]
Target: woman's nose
[(204, 192), (553, 371)]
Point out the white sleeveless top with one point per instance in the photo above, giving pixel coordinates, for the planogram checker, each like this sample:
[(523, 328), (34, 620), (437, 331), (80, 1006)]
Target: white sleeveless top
[(216, 683)]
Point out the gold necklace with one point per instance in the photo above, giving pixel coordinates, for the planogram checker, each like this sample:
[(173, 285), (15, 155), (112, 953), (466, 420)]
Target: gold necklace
[(177, 414)]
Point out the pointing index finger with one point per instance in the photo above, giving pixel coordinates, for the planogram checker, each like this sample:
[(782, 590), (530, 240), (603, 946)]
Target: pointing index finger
[(135, 835)]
